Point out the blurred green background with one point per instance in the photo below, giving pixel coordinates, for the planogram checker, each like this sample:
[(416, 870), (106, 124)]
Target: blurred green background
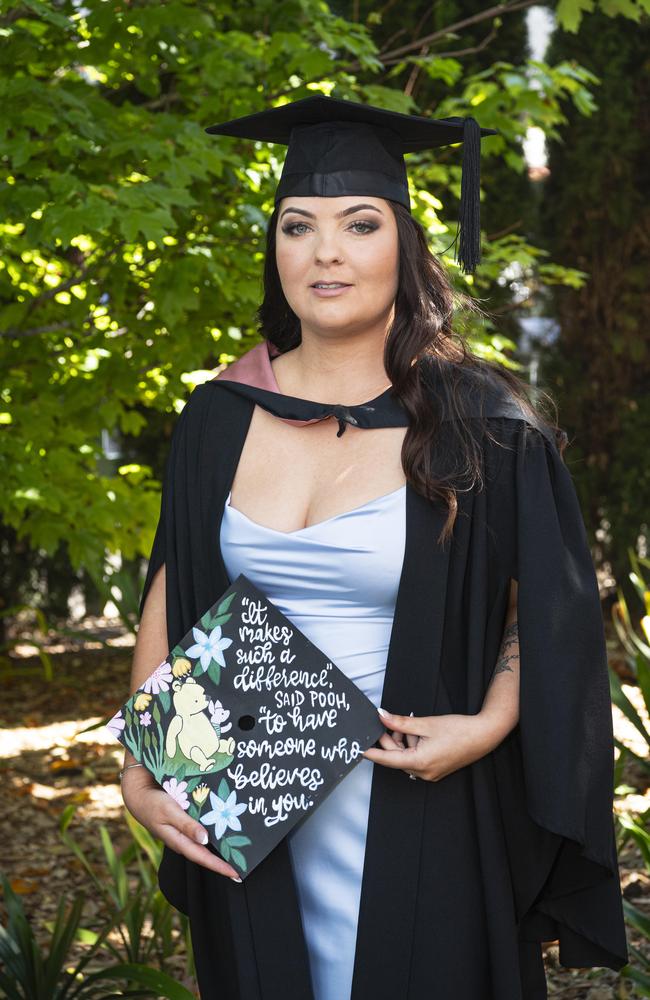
[(133, 242)]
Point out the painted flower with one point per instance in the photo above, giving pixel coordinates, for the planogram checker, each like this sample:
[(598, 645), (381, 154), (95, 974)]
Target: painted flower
[(208, 647), (218, 715), (224, 814), (200, 794), (141, 702), (178, 791), (116, 724), (181, 667), (145, 719), (160, 679)]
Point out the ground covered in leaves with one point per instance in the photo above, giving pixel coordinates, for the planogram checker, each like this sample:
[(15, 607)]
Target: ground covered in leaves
[(47, 763)]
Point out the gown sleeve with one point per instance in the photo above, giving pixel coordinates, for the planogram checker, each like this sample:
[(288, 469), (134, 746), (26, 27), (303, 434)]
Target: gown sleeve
[(157, 555), (564, 737)]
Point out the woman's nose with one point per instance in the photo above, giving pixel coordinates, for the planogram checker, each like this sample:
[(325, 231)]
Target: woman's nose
[(327, 259), (327, 250)]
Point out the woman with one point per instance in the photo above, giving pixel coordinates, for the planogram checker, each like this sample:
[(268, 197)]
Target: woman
[(428, 547)]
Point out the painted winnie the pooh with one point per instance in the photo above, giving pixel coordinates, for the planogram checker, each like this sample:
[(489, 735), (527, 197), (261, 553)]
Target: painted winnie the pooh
[(191, 729)]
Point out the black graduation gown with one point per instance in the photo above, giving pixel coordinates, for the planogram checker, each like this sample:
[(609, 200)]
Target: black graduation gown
[(463, 877)]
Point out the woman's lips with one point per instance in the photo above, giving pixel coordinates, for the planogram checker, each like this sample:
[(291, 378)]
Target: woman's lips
[(325, 293)]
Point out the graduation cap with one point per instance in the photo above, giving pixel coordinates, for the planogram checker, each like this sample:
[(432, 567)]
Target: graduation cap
[(247, 724), (343, 148)]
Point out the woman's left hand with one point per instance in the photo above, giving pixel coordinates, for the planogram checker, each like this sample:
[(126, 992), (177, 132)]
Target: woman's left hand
[(436, 745)]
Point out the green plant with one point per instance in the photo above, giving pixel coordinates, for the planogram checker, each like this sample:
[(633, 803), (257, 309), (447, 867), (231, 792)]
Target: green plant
[(123, 588), (634, 636), (637, 654), (8, 668), (133, 912), (29, 974), (639, 972)]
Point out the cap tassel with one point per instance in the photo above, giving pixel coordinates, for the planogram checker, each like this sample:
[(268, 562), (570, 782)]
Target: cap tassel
[(469, 246)]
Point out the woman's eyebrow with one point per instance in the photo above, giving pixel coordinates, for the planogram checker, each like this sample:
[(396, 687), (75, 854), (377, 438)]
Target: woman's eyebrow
[(339, 215)]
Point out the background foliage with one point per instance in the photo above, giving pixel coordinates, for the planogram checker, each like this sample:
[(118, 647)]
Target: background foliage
[(132, 241)]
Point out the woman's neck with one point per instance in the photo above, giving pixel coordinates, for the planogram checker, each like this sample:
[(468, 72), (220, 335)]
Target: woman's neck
[(330, 375)]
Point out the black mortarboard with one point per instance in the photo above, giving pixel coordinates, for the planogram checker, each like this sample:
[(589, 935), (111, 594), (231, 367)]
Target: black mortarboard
[(343, 147)]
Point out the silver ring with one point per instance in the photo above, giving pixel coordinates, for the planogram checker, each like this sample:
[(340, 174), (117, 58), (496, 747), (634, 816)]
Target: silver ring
[(413, 777)]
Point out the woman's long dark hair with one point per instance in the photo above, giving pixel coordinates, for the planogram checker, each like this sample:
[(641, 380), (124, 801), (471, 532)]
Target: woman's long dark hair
[(421, 331)]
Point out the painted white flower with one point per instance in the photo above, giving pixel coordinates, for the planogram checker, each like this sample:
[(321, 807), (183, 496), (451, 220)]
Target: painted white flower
[(178, 791), (116, 724), (208, 647), (145, 719), (160, 679), (224, 814)]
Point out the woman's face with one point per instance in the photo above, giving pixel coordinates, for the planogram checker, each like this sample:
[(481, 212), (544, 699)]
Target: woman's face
[(350, 240)]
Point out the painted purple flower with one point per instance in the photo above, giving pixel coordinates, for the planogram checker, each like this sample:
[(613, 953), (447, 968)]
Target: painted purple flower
[(145, 719), (116, 724), (224, 814), (208, 647), (178, 791), (160, 679)]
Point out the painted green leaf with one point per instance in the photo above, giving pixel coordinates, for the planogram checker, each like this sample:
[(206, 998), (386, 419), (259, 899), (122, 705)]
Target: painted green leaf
[(225, 604), (239, 859), (238, 840)]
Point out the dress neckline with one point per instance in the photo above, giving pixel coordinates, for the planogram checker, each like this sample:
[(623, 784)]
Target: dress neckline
[(318, 524)]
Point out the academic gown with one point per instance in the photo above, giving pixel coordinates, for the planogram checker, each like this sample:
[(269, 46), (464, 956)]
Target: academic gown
[(465, 876)]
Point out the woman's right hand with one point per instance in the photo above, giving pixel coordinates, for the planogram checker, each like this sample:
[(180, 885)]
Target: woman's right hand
[(157, 811)]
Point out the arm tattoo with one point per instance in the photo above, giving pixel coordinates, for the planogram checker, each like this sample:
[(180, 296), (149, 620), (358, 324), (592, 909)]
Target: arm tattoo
[(507, 652)]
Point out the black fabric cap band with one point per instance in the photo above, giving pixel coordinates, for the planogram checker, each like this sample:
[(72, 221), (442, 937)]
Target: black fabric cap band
[(342, 182)]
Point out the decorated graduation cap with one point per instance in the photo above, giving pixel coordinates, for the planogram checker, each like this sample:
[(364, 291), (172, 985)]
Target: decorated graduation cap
[(247, 724), (345, 148)]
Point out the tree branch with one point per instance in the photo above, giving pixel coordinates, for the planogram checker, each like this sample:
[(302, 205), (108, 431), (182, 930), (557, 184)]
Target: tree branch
[(451, 55), (35, 331), (484, 15), (504, 232)]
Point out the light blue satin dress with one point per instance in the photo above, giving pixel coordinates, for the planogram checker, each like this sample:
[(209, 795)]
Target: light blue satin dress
[(337, 581)]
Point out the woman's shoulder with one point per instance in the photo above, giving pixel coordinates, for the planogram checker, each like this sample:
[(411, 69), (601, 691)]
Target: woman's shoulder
[(482, 397), (468, 391)]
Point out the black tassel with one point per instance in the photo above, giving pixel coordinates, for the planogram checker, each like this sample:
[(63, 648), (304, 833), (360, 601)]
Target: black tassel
[(468, 253)]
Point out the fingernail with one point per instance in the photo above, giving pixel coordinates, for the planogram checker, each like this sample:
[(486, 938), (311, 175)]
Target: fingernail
[(383, 712), (202, 836), (233, 879)]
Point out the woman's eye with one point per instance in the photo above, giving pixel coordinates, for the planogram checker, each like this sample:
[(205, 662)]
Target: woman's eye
[(369, 226), (292, 227)]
